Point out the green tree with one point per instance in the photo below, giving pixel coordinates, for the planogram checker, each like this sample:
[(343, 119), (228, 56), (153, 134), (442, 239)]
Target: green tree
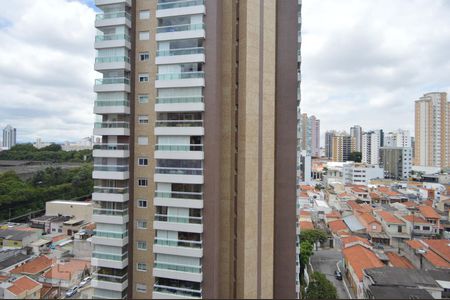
[(355, 156), (52, 147), (313, 236), (320, 288), (306, 251)]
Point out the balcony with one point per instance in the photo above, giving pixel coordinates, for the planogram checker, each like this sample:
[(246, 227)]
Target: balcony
[(178, 56), (179, 199), (178, 175), (182, 31), (109, 282), (180, 79), (113, 19), (178, 219), (112, 106), (112, 63), (178, 247), (107, 260), (111, 150), (118, 128), (113, 216), (112, 41), (179, 127), (170, 292), (111, 172), (113, 84), (179, 104), (116, 239), (178, 271), (110, 194), (179, 152)]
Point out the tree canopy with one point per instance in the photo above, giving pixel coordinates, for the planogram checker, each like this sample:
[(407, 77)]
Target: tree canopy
[(355, 156), (320, 288), (52, 153), (313, 236)]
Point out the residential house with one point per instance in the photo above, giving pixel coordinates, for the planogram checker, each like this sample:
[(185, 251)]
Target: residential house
[(353, 240), (442, 278), (356, 259), (420, 226), (399, 261), (392, 226), (428, 254), (306, 225), (11, 262), (21, 288), (369, 222), (432, 217), (34, 268), (66, 274), (17, 239), (332, 216)]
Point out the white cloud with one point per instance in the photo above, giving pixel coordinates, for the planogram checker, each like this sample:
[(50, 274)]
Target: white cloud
[(46, 69), (365, 62)]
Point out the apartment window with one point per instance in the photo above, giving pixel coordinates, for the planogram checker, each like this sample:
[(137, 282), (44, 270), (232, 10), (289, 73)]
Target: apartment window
[(143, 99), (141, 224), (142, 182), (143, 161), (144, 35), (143, 77), (142, 140), (143, 56), (142, 267), (144, 14), (142, 203), (142, 245), (143, 119), (141, 288)]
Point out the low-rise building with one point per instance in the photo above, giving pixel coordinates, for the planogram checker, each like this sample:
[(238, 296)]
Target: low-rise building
[(428, 254), (74, 209), (392, 226), (66, 274), (34, 268), (17, 239), (21, 288), (352, 173)]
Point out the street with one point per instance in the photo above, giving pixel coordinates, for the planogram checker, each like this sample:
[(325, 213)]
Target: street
[(324, 261)]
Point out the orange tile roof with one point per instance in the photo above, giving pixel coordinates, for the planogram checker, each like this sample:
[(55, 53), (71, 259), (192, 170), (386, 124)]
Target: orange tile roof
[(333, 214), (428, 203), (353, 239), (415, 219), (429, 212), (359, 189), (387, 191), (303, 195), (374, 196), (389, 218), (90, 226), (58, 238), (368, 218), (361, 258), (306, 188), (344, 194), (305, 225), (34, 266), (65, 271), (305, 213), (429, 255), (23, 284), (338, 225), (353, 204), (441, 247), (399, 261), (409, 204)]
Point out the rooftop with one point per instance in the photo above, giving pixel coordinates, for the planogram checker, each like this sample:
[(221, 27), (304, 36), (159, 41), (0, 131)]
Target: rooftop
[(390, 292), (13, 260), (388, 276), (353, 239), (428, 212), (353, 223), (306, 225), (35, 266), (14, 234), (389, 218), (399, 261), (431, 256), (361, 258), (415, 219), (80, 203), (22, 285), (336, 226), (66, 270)]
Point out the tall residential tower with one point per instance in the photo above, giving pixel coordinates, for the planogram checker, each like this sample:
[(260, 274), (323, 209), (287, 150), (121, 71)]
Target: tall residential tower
[(195, 178), (9, 137)]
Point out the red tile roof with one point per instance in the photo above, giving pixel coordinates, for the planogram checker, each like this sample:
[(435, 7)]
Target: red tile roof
[(305, 225), (428, 203), (23, 284), (65, 271), (409, 204), (399, 261), (338, 225), (305, 213), (387, 191), (333, 214), (374, 195), (368, 218), (306, 188), (34, 266), (429, 212), (389, 218), (415, 219), (431, 256), (354, 239), (441, 247), (361, 258)]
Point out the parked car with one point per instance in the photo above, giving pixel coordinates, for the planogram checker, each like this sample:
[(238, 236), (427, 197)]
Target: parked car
[(84, 281), (338, 275), (72, 291)]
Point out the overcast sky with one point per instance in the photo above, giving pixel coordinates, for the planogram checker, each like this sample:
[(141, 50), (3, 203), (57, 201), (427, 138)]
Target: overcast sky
[(364, 62)]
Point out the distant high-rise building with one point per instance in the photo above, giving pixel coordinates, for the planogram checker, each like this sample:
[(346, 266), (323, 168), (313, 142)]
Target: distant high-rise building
[(195, 175), (398, 138), (432, 131), (329, 143), (315, 136), (310, 135), (343, 145), (356, 132), (372, 141), (396, 161), (9, 137)]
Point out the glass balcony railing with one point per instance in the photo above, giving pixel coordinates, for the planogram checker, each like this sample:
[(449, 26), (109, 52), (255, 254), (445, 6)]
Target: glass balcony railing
[(111, 235), (179, 147), (114, 80), (110, 278), (111, 168), (184, 292), (176, 267), (179, 195), (181, 27), (178, 4), (178, 171), (112, 103), (181, 51), (179, 123), (178, 219), (110, 190), (113, 15), (111, 147), (178, 243), (174, 100), (110, 212), (112, 37), (181, 75), (111, 59), (111, 125), (107, 256)]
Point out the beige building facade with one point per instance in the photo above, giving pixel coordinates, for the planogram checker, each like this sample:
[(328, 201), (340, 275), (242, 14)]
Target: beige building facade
[(342, 146)]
